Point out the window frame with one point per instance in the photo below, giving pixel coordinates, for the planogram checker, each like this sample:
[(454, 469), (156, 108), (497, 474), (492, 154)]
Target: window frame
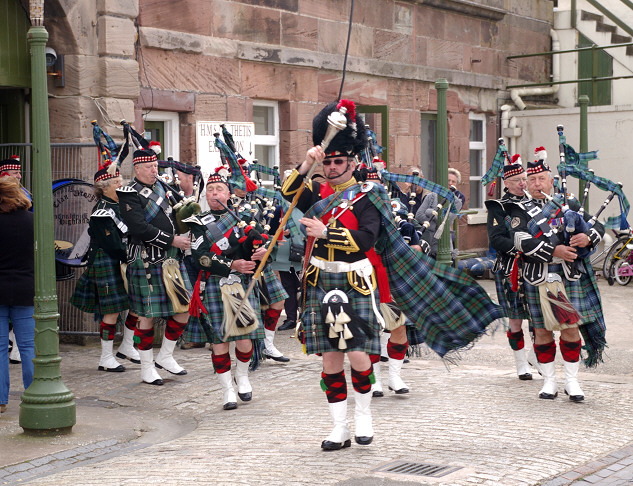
[(480, 146), (269, 140), (171, 135)]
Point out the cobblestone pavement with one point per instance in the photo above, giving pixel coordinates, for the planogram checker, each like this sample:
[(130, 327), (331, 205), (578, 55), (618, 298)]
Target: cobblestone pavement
[(476, 419)]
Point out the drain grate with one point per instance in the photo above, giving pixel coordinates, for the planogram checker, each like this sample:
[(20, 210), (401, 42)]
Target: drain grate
[(417, 469)]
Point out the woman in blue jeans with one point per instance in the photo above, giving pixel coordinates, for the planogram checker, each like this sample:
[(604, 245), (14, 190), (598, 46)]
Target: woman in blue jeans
[(17, 284)]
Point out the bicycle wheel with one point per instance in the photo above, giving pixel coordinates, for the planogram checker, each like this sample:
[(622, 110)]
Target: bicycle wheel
[(614, 254), (618, 267)]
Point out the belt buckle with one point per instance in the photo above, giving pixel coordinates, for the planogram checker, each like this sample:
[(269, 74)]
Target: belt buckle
[(330, 267)]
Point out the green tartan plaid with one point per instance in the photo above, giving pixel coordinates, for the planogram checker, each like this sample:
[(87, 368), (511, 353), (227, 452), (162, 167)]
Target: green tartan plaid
[(208, 328), (100, 288), (314, 325), (154, 303), (585, 297), (276, 291), (513, 303)]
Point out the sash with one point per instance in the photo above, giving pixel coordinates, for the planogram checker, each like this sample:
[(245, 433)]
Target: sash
[(349, 220), (156, 199)]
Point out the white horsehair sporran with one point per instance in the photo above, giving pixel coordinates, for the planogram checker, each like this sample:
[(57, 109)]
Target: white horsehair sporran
[(558, 312), (178, 294)]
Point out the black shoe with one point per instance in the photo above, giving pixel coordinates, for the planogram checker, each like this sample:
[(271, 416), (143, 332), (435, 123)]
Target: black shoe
[(245, 397), (14, 361), (122, 356), (287, 325), (377, 394), (281, 359), (328, 445), (405, 361), (363, 440), (230, 406), (157, 382), (180, 373), (548, 396), (575, 398), (384, 359), (402, 391), (525, 376), (118, 369)]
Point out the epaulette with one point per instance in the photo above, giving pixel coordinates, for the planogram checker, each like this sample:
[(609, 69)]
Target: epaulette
[(102, 213), (126, 189)]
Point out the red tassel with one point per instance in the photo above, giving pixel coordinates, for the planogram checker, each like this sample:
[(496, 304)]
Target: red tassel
[(514, 274), (491, 189), (195, 305), (573, 316), (384, 290), (250, 185)]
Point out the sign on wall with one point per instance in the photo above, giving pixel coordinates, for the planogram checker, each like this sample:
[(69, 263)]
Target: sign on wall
[(209, 155)]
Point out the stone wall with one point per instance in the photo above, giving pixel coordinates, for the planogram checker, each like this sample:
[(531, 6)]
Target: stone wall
[(209, 59)]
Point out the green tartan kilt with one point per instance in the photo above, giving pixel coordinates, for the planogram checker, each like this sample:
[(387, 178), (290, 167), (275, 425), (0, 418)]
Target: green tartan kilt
[(154, 303), (315, 328), (582, 293), (276, 291), (100, 288), (208, 327), (513, 303)]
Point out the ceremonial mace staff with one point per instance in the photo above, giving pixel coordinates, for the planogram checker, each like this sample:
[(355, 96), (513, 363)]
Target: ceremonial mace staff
[(336, 122)]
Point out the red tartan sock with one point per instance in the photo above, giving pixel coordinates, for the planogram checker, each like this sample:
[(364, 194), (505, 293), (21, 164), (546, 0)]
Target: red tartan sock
[(545, 353), (334, 386), (516, 340), (144, 338), (271, 316), (242, 356), (374, 358), (130, 321), (107, 331), (570, 350), (397, 351), (221, 363), (361, 380), (174, 329)]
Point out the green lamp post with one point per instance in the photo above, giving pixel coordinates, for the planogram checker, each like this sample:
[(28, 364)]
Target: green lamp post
[(47, 405), (583, 101), (441, 163)]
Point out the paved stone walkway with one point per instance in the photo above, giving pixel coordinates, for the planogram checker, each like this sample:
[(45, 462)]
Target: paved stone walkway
[(476, 418)]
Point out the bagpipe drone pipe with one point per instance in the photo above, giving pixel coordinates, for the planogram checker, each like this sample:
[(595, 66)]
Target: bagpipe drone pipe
[(575, 165)]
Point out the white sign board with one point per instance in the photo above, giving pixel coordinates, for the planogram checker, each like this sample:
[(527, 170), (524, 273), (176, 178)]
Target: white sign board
[(209, 155)]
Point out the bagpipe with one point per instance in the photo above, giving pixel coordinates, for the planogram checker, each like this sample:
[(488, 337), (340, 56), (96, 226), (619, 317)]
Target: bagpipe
[(574, 164), (182, 206)]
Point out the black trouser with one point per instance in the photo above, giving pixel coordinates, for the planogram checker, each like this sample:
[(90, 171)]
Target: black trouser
[(292, 285)]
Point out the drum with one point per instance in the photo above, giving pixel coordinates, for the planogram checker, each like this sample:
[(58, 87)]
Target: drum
[(73, 200)]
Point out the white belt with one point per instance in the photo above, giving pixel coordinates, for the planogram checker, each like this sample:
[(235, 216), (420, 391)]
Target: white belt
[(340, 267)]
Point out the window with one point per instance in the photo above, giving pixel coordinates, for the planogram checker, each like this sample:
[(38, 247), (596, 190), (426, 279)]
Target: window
[(266, 138), (477, 157), (377, 117), (164, 127)]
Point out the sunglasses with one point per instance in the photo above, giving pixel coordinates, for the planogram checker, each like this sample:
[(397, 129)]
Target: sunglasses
[(335, 161)]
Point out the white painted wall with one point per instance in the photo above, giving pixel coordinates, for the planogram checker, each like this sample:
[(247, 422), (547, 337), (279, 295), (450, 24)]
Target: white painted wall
[(610, 130)]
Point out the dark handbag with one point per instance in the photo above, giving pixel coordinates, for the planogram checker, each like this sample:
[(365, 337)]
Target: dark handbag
[(297, 250)]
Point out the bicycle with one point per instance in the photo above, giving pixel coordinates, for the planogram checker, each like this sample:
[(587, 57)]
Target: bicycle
[(618, 252)]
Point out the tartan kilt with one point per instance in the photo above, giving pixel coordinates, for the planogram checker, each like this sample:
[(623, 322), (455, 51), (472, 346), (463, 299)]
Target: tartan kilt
[(100, 288), (313, 322), (155, 303), (513, 303), (208, 327), (582, 293), (276, 291)]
